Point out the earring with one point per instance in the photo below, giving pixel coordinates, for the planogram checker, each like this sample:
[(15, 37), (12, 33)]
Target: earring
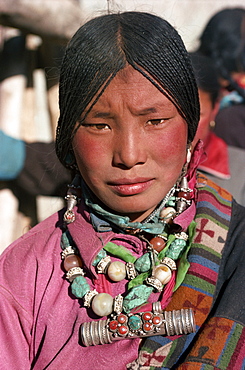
[(212, 124), (72, 198), (184, 192)]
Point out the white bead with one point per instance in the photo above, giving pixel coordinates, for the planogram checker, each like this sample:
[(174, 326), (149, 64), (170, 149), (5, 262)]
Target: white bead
[(102, 304), (167, 214), (117, 271), (162, 273)]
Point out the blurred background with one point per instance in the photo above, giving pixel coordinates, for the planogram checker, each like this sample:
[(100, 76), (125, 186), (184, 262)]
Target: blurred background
[(33, 34)]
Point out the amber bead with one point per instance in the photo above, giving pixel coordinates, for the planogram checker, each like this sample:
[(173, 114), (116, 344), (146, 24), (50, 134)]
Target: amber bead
[(184, 194), (72, 261), (158, 243)]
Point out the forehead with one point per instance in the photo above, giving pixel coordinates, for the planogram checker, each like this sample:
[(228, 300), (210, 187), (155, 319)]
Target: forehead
[(130, 86)]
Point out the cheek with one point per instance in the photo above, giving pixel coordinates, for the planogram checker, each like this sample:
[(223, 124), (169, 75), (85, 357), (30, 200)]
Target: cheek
[(172, 145), (88, 152)]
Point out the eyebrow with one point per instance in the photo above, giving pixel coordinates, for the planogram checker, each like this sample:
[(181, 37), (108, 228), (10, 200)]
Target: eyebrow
[(142, 112), (147, 111), (101, 114)]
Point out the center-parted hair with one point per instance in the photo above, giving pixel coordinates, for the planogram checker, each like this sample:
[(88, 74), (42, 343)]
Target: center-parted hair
[(107, 44)]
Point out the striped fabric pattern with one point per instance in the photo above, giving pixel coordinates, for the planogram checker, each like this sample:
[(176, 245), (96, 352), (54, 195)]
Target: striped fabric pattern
[(218, 344)]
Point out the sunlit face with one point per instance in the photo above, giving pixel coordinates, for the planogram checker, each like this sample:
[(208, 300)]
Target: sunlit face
[(132, 145), (208, 112)]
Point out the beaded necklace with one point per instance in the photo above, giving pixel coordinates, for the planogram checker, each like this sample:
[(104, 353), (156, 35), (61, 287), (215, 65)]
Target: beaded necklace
[(153, 271)]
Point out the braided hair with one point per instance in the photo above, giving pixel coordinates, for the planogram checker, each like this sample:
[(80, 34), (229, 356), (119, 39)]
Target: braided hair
[(107, 44)]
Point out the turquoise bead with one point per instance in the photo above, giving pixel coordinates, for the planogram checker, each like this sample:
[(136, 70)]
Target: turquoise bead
[(176, 248), (98, 258), (171, 202), (80, 287), (143, 264), (180, 242), (66, 240), (134, 323), (136, 297)]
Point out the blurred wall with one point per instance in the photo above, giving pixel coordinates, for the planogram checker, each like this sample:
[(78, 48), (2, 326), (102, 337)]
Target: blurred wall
[(187, 16)]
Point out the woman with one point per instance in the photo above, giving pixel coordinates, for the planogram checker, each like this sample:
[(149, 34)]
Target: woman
[(223, 164), (145, 236), (223, 40)]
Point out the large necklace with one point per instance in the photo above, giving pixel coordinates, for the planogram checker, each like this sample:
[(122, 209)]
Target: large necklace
[(154, 271)]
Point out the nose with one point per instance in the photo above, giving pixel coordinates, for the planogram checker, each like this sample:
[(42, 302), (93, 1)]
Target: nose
[(129, 149)]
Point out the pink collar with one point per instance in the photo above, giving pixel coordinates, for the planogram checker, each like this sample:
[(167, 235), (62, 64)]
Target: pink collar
[(217, 160)]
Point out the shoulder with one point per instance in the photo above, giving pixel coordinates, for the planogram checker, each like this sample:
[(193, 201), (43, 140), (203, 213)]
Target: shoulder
[(37, 250), (30, 262), (35, 238), (231, 300), (209, 192), (230, 125), (232, 112)]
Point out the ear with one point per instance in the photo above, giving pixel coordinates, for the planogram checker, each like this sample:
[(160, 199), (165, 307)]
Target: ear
[(215, 110)]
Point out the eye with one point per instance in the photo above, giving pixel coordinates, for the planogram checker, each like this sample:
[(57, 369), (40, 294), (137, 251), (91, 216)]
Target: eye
[(157, 122), (96, 126)]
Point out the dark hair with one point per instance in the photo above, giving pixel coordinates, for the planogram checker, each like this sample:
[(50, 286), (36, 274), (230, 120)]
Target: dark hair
[(105, 45), (223, 40), (206, 75)]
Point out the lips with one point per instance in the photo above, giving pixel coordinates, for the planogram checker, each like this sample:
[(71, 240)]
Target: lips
[(127, 187)]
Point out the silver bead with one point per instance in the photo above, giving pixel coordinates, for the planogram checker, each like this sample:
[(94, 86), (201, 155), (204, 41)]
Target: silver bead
[(130, 270), (171, 323), (67, 252), (74, 272), (155, 283), (118, 304), (71, 201), (181, 235), (103, 265), (169, 262), (179, 322), (156, 307), (69, 216), (87, 299), (184, 184), (182, 204)]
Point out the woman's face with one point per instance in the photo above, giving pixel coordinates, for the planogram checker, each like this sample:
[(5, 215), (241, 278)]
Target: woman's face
[(132, 145)]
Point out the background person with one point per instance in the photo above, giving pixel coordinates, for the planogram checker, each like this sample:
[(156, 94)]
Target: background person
[(224, 164), (223, 40)]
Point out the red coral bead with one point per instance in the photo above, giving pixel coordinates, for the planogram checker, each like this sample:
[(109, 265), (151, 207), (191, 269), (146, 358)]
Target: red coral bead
[(123, 330), (147, 326), (147, 316), (113, 325), (156, 320), (121, 318)]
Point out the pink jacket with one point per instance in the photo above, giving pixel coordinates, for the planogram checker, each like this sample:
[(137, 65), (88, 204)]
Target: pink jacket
[(39, 317)]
